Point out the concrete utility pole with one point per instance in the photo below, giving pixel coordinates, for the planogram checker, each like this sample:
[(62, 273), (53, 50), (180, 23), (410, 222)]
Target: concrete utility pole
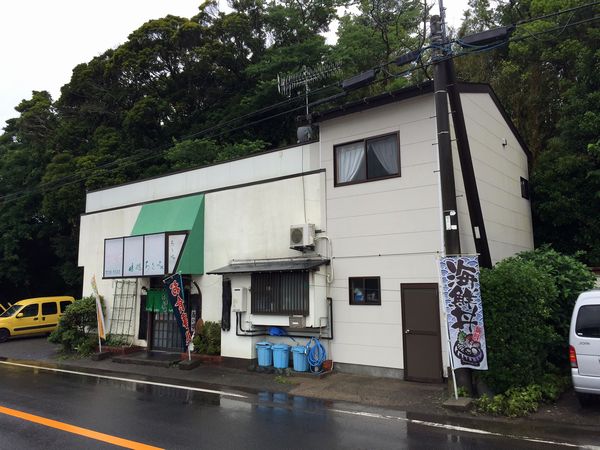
[(447, 184), (440, 85)]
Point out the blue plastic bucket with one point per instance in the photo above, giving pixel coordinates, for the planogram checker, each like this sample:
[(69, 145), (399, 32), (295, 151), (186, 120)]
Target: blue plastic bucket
[(281, 356), (300, 358), (265, 355)]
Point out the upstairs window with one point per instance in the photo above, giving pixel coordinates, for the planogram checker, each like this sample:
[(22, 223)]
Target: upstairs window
[(370, 159)]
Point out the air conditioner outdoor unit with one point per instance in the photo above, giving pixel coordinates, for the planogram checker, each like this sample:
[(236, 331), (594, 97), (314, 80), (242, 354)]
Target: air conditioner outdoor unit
[(302, 237)]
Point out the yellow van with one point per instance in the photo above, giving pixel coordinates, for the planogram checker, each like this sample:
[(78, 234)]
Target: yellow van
[(32, 316)]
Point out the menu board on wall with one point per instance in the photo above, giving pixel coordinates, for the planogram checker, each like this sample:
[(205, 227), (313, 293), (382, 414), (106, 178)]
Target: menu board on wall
[(154, 254), (113, 257), (176, 242), (133, 256)]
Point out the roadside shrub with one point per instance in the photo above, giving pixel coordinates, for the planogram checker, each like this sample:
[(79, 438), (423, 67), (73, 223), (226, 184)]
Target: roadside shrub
[(208, 340), (520, 401), (515, 296), (515, 402), (570, 278), (76, 332)]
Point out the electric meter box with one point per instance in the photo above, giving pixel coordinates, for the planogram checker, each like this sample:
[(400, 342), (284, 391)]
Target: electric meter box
[(239, 299)]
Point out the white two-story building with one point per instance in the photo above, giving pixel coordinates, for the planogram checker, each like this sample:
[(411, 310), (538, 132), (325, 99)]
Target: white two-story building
[(338, 237)]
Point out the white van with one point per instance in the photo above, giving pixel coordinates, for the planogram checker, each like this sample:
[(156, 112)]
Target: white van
[(584, 346)]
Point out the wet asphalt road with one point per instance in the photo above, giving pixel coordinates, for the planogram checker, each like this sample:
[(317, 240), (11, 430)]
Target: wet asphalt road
[(165, 417)]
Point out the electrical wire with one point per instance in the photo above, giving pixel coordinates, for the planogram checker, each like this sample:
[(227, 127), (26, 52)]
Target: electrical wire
[(557, 13), (57, 184)]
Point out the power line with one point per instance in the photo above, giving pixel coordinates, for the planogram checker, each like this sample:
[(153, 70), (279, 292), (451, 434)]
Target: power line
[(557, 13), (122, 163)]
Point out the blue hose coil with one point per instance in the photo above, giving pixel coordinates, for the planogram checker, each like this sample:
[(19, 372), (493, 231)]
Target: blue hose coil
[(316, 354)]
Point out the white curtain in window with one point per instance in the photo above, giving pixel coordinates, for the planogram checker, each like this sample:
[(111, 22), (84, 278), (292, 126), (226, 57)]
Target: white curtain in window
[(386, 152), (350, 159)]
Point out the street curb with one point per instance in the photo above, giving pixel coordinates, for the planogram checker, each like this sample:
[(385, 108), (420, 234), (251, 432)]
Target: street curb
[(458, 404)]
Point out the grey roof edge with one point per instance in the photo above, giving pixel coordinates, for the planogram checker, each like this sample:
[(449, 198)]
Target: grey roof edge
[(270, 265)]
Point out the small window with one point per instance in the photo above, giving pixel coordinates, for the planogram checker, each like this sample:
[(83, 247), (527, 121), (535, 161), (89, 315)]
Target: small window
[(588, 322), (524, 188), (365, 291), (370, 159), (49, 308), (31, 310), (63, 305)]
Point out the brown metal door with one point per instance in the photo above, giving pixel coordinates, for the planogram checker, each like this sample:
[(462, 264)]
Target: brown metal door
[(421, 330)]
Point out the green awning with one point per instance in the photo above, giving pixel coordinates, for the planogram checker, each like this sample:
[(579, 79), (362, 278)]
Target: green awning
[(181, 214)]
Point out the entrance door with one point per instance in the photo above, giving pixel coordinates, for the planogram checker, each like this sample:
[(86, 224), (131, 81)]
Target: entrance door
[(421, 326), (165, 333)]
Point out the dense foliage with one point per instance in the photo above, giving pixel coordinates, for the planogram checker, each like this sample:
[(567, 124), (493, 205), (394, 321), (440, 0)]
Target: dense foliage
[(520, 401), (208, 340), (548, 78), (528, 300), (184, 92), (77, 329), (516, 296), (570, 278)]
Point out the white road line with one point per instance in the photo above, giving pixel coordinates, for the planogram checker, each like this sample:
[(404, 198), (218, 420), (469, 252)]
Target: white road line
[(128, 380), (463, 429)]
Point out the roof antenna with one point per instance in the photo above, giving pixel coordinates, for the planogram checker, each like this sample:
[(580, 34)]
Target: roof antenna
[(289, 83)]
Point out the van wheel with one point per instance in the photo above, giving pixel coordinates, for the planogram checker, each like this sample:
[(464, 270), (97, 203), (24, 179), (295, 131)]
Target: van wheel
[(4, 335), (585, 400)]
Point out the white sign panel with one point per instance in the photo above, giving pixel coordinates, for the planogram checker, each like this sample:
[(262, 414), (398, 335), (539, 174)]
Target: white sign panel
[(113, 257), (464, 313), (133, 257), (175, 245), (154, 254)]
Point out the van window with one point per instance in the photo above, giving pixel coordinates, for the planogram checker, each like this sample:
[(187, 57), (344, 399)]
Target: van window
[(11, 311), (49, 308), (31, 310), (588, 321), (63, 305)]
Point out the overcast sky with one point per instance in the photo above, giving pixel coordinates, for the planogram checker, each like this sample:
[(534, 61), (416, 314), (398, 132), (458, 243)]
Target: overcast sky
[(41, 41)]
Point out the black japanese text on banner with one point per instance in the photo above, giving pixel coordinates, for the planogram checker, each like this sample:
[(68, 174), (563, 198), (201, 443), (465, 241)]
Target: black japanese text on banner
[(462, 299)]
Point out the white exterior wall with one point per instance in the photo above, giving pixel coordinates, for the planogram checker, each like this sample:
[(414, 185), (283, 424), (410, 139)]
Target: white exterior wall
[(387, 228), (94, 228), (250, 222), (498, 168), (274, 164), (253, 222)]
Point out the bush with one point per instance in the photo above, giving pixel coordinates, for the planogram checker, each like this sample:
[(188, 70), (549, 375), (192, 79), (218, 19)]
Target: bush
[(516, 402), (570, 278), (520, 401), (208, 341), (77, 329), (516, 295)]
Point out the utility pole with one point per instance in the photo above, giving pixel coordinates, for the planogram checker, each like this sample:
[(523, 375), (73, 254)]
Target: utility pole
[(447, 185)]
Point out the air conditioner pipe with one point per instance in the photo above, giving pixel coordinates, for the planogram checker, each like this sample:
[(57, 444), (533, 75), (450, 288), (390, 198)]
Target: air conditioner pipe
[(239, 330)]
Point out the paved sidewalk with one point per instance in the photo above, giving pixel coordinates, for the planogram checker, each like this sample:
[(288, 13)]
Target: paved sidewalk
[(415, 399)]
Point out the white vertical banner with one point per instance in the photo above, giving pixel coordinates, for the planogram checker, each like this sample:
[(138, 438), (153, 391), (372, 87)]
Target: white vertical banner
[(464, 312)]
